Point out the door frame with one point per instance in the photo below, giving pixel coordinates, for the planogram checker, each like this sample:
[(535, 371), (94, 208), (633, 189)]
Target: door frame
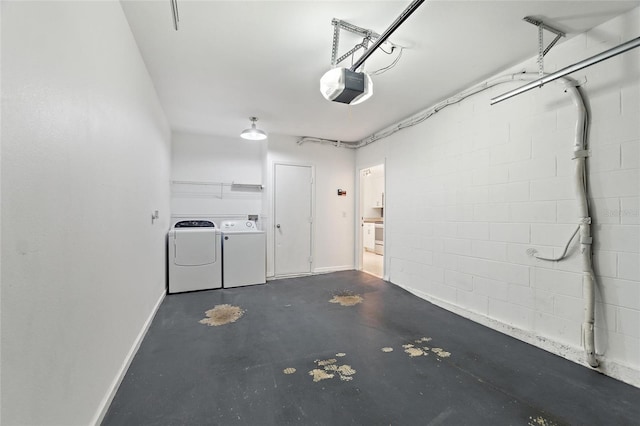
[(359, 246), (312, 248)]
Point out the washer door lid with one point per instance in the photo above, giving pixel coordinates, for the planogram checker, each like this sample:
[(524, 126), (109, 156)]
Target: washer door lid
[(195, 247)]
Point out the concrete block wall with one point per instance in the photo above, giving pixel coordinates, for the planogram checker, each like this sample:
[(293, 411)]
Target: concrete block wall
[(472, 189)]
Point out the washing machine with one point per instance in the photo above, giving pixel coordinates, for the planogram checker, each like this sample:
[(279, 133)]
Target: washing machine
[(244, 254), (194, 256)]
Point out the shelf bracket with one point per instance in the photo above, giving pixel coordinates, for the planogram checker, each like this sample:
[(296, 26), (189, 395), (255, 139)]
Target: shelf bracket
[(542, 51)]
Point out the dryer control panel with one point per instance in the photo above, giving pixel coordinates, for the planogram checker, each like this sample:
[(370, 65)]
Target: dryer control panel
[(239, 226)]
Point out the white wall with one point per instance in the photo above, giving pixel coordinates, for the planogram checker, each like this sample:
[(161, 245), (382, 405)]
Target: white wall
[(85, 161), (334, 215), (215, 159), (473, 187)]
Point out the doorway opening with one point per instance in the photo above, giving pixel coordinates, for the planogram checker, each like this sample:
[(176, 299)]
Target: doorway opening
[(372, 220)]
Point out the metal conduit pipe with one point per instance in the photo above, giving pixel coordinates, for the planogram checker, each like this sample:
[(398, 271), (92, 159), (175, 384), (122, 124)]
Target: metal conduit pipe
[(385, 35), (631, 44)]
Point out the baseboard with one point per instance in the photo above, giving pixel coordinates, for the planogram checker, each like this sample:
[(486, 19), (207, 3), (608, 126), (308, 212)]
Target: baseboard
[(329, 269), (106, 401), (317, 271), (610, 368)]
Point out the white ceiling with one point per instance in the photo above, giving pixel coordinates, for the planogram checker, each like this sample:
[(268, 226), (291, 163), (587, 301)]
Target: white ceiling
[(235, 59)]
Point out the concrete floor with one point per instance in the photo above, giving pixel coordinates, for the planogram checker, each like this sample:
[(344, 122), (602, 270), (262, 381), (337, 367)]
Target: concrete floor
[(187, 373), (373, 263)]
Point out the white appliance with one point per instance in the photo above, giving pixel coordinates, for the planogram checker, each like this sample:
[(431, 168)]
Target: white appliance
[(194, 256), (244, 254)]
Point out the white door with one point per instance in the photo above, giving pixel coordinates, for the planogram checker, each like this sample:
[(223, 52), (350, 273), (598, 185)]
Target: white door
[(293, 219)]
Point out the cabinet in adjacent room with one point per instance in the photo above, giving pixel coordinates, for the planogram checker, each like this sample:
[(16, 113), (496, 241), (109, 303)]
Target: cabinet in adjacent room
[(369, 236), (376, 194)]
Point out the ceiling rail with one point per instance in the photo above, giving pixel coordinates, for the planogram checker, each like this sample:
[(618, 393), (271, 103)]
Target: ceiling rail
[(631, 44), (385, 35)]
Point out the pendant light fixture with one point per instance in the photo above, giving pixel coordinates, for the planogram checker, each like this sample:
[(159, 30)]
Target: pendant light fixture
[(253, 133)]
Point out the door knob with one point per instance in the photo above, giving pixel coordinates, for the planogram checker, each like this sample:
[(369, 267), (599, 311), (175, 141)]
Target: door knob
[(278, 226)]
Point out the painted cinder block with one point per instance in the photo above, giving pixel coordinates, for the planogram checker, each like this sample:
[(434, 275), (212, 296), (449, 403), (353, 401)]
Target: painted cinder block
[(509, 232), (473, 266), (443, 292), (494, 212), (520, 254), (559, 282), (630, 154), (606, 316), (433, 273), (537, 168), (457, 246), (631, 100), (619, 347), (556, 235), (537, 211), (491, 288), (623, 238), (537, 300), (556, 188), (493, 250), (557, 328), (617, 129), (511, 192), (502, 271), (473, 230), (571, 308), (458, 280), (630, 211), (475, 302), (514, 315), (618, 292), (629, 266), (604, 158), (628, 322), (604, 262)]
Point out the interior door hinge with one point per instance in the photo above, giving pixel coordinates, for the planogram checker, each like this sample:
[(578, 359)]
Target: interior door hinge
[(310, 259), (310, 219)]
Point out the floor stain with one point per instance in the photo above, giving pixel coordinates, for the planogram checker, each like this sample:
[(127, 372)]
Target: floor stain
[(319, 374), (289, 370), (441, 352), (540, 421), (340, 354), (328, 369), (222, 314), (326, 362), (387, 349), (346, 298), (413, 352), (346, 370)]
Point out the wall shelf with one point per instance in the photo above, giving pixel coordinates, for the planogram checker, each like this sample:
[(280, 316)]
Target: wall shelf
[(203, 189)]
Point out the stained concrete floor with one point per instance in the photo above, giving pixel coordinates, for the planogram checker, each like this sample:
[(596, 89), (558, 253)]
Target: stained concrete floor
[(187, 373)]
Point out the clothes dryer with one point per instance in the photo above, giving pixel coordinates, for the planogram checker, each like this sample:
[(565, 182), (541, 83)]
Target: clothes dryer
[(194, 256)]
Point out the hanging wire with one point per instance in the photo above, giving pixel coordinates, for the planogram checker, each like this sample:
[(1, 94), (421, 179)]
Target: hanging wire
[(564, 252), (393, 64)]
